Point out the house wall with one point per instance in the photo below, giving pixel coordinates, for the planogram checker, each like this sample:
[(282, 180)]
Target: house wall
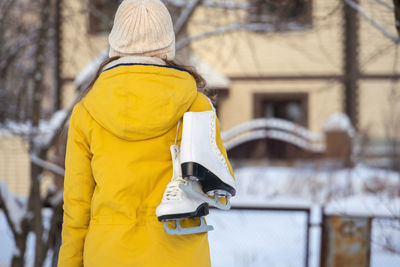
[(238, 107), (380, 107), (14, 164), (317, 51), (241, 53), (79, 47)]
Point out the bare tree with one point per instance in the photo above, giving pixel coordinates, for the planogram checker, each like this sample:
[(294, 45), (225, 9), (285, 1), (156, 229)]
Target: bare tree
[(27, 44), (26, 47)]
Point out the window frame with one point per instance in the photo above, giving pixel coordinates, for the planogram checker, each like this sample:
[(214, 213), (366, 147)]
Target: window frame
[(259, 98), (304, 23)]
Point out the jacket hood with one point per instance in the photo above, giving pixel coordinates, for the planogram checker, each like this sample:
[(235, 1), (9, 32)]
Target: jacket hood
[(140, 98)]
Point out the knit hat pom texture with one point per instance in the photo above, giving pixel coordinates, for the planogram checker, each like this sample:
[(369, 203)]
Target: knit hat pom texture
[(143, 28)]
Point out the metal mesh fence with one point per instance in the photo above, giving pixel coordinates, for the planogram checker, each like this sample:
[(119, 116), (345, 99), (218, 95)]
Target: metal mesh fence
[(258, 238), (385, 242)]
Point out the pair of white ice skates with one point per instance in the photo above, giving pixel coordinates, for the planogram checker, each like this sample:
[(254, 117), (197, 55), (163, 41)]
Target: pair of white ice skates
[(201, 176)]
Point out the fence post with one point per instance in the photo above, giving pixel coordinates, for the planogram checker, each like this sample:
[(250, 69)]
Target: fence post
[(345, 241), (339, 135)]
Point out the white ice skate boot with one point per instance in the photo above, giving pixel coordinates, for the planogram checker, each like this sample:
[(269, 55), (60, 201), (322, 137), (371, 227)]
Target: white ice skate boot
[(202, 161), (176, 205)]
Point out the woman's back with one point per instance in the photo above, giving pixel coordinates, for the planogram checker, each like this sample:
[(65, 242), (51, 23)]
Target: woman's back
[(118, 161), (118, 165)]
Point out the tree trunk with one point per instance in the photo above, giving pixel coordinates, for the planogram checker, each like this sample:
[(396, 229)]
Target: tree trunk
[(397, 15), (20, 244)]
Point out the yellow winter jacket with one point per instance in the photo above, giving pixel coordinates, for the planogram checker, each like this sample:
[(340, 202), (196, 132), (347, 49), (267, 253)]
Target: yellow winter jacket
[(118, 165)]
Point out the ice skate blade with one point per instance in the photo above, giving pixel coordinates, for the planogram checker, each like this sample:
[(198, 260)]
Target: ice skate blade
[(188, 189), (208, 180), (201, 211), (179, 230)]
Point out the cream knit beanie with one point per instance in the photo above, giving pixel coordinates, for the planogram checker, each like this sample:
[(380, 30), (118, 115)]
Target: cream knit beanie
[(142, 28)]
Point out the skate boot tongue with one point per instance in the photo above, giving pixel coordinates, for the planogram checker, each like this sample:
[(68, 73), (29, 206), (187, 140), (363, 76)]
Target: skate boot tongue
[(173, 191)]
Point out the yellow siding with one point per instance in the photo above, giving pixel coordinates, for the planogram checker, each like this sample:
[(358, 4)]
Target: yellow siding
[(79, 47), (309, 52), (314, 51), (324, 99), (378, 104), (14, 164)]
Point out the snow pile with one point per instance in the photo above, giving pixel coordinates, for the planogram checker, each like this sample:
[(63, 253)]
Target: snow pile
[(361, 191), (257, 238), (16, 206), (90, 69), (7, 244), (372, 192), (48, 128), (339, 122), (57, 198), (10, 128), (43, 133)]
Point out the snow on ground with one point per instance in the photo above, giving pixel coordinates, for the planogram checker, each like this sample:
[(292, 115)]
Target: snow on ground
[(361, 190), (380, 255), (7, 246), (258, 238), (6, 242), (270, 238), (16, 206)]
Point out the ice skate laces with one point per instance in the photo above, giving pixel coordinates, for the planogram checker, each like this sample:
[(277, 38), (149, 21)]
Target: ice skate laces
[(173, 192)]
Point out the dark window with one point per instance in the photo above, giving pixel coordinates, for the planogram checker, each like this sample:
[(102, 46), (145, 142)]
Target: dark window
[(291, 107), (101, 15), (281, 15)]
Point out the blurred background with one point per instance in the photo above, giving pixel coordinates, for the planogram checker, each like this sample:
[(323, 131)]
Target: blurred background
[(308, 96)]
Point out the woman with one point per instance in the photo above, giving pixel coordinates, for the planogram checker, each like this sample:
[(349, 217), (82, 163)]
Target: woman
[(118, 161)]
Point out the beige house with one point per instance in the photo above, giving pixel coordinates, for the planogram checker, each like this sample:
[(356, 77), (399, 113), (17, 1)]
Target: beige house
[(299, 68)]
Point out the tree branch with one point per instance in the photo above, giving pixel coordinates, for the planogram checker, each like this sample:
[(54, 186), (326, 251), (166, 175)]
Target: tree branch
[(211, 3), (56, 221), (224, 30), (185, 16), (38, 74), (47, 165), (386, 4), (374, 23), (3, 206)]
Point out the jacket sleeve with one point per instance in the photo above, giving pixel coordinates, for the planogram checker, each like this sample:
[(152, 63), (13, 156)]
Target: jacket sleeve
[(203, 103), (78, 190)]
